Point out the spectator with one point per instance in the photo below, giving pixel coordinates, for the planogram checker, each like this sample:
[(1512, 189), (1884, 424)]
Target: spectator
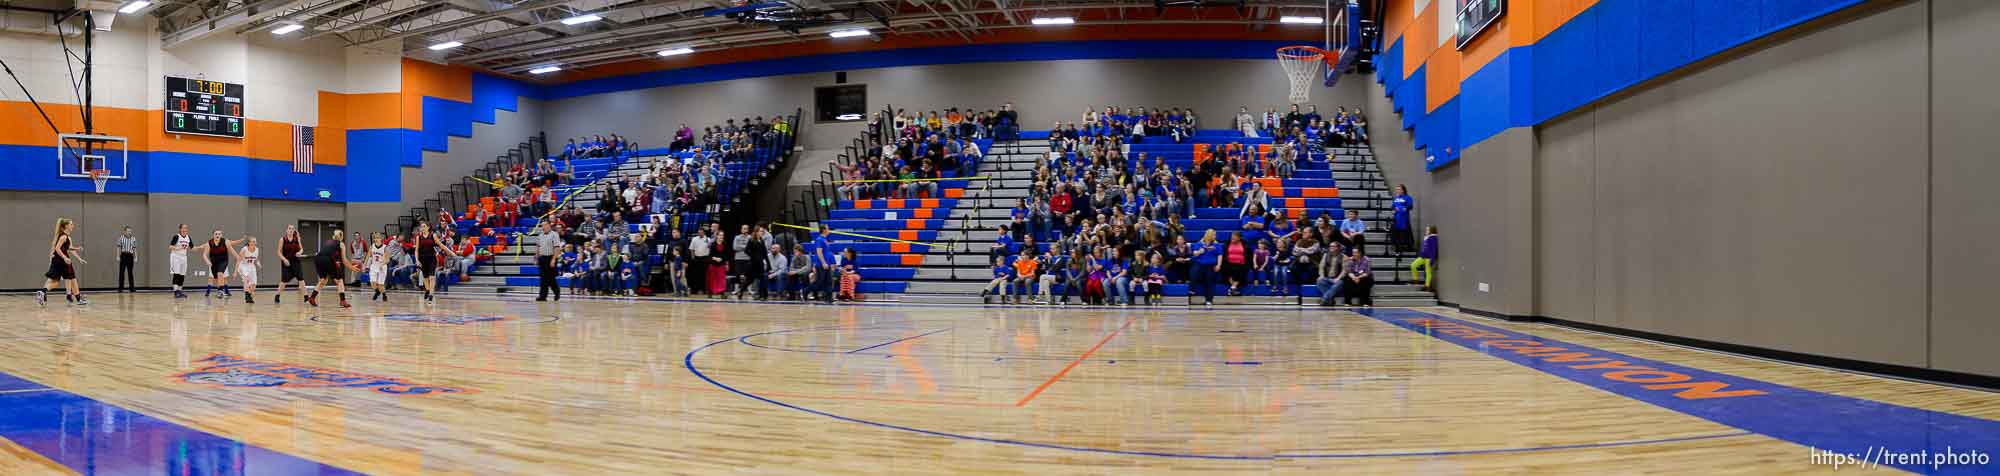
[(1424, 268), (777, 272), (1236, 265), (1353, 231), (1399, 231), (1002, 277), (1207, 265), (1025, 268), (850, 280), (802, 277), (1358, 282)]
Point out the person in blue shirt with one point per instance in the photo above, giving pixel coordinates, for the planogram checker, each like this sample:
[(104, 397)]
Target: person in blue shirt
[(1424, 268), (823, 268), (1116, 278), (1003, 276), (1004, 245), (1207, 258), (1353, 231), (1399, 230)]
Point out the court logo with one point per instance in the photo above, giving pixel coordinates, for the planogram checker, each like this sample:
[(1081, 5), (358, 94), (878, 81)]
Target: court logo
[(230, 371), (437, 319)]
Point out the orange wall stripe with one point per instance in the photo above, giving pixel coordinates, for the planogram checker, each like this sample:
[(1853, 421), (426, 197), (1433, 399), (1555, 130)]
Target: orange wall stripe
[(1441, 78), (1419, 41), (1396, 18), (1484, 48)]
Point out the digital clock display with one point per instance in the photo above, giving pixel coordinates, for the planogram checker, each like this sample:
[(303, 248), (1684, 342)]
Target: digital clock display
[(203, 107), (207, 87)]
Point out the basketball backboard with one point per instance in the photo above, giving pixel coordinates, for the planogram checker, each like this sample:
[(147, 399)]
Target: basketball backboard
[(78, 154)]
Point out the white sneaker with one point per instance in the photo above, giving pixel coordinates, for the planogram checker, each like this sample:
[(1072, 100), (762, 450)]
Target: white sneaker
[(42, 298)]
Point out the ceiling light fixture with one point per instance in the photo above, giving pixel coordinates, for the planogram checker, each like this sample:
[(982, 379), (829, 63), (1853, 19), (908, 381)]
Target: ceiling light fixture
[(581, 19), (446, 45), (849, 33), (676, 51), (1301, 20), (545, 69), (288, 28), (1054, 20), (134, 6)]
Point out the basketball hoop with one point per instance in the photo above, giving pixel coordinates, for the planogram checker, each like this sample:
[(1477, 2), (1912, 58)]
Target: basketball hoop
[(1303, 65), (99, 177)]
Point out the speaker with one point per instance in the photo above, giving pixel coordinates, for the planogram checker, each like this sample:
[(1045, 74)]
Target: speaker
[(840, 77)]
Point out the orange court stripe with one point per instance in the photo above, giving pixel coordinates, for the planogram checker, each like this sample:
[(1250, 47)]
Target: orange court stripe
[(913, 224), (895, 203), (864, 204), (899, 247), (1072, 364), (907, 235), (913, 260), (928, 203), (954, 193), (920, 212)]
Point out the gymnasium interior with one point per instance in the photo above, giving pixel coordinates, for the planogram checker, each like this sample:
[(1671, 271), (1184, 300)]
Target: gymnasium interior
[(998, 237)]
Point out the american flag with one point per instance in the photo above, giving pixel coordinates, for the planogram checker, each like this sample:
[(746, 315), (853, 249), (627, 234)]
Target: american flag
[(302, 149)]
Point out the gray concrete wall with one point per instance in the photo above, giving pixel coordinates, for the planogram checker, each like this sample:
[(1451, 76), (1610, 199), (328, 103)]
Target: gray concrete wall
[(153, 219), (1044, 92), (1826, 193), (1963, 172)]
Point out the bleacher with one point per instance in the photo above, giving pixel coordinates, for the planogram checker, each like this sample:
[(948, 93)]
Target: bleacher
[(886, 267), (512, 267), (966, 216)]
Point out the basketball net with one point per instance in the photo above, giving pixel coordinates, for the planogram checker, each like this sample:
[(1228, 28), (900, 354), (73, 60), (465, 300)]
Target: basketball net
[(1303, 67), (99, 177)]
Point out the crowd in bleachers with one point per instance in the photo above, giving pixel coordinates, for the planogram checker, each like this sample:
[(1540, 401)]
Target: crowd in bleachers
[(914, 152), (1109, 228), (615, 249)]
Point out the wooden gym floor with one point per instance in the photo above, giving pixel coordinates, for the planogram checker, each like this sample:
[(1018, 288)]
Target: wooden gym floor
[(144, 384)]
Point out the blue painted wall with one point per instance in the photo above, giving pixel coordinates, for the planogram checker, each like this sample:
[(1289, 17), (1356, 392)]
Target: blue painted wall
[(1607, 48)]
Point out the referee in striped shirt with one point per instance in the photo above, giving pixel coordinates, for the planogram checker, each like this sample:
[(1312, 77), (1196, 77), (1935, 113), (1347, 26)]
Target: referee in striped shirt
[(548, 242)]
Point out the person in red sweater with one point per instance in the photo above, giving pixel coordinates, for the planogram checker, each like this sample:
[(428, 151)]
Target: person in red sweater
[(1061, 203)]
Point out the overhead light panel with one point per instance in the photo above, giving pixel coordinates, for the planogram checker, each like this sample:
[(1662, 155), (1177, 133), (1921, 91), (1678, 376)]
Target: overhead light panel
[(545, 69), (849, 33), (1054, 20), (446, 45), (288, 28), (676, 51), (1301, 20), (581, 19), (134, 6)]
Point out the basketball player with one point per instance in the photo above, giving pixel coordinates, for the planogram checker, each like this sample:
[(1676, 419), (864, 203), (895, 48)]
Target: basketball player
[(330, 262), (427, 259), (246, 268), (219, 254), (378, 266), (289, 267), (63, 257), (177, 259)]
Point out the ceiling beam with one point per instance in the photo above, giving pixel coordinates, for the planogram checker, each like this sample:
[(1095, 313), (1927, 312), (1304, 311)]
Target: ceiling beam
[(238, 15)]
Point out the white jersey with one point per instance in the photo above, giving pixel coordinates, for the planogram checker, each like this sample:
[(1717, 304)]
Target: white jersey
[(246, 267), (177, 257), (378, 263)]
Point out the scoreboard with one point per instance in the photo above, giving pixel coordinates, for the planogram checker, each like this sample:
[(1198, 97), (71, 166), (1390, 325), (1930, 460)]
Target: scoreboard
[(196, 106)]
